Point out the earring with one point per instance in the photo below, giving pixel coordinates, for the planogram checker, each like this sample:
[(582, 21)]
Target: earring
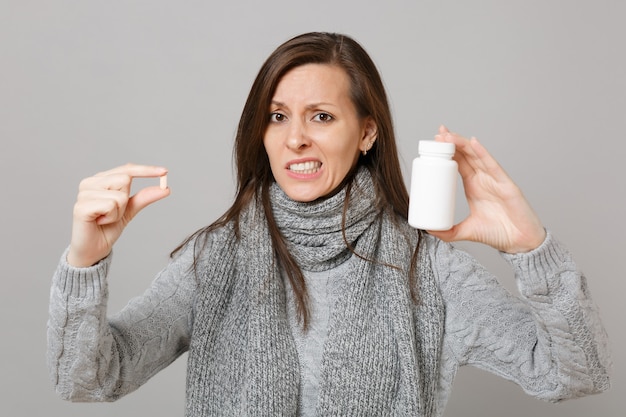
[(369, 146)]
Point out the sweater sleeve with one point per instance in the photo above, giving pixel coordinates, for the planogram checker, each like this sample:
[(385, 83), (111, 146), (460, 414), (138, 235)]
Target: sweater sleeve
[(549, 340), (92, 358)]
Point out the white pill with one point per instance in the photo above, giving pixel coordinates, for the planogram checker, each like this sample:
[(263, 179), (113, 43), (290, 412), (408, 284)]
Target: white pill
[(163, 182)]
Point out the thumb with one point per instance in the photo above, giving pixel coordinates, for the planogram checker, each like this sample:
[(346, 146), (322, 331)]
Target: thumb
[(144, 198), (450, 235)]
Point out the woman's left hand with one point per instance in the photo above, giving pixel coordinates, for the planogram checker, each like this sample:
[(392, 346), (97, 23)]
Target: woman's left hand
[(499, 215)]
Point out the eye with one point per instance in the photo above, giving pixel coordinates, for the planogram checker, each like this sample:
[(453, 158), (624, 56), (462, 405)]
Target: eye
[(323, 117), (276, 117)]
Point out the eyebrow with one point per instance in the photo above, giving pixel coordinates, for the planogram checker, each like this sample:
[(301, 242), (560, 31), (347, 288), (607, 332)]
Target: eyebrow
[(308, 106)]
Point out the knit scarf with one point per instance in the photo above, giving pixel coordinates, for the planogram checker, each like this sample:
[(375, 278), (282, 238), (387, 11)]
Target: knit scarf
[(382, 353)]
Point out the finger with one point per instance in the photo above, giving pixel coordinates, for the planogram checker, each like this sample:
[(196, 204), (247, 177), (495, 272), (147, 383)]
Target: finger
[(476, 159), (144, 198), (441, 133), (463, 154), (120, 178), (118, 195), (473, 157), (136, 171), (88, 200), (451, 235), (487, 162), (102, 210), (120, 182)]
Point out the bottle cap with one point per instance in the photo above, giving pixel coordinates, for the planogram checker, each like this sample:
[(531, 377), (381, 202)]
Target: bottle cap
[(436, 148)]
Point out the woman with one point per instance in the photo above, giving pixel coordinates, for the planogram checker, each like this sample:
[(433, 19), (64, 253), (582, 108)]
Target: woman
[(311, 295)]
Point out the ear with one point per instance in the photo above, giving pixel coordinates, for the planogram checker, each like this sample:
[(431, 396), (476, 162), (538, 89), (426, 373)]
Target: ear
[(370, 134)]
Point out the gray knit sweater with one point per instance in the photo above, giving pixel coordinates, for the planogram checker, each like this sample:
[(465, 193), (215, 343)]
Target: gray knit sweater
[(550, 342), (243, 358)]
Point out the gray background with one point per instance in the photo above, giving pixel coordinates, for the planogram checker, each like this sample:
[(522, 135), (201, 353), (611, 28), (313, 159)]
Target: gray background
[(86, 85)]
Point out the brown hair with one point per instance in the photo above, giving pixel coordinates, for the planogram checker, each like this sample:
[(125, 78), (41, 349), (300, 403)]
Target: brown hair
[(254, 174)]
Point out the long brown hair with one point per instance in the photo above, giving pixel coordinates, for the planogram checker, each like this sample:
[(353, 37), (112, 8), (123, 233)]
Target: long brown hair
[(254, 175)]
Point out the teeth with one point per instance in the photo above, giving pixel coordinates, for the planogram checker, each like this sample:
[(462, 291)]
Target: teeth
[(308, 167)]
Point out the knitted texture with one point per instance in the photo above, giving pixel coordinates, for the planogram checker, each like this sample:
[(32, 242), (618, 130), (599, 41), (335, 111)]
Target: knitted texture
[(323, 288), (373, 360), (383, 355)]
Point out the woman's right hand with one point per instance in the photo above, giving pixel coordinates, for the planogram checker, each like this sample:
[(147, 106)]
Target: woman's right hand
[(104, 207)]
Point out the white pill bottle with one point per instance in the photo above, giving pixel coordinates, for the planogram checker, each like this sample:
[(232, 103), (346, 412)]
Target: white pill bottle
[(433, 186)]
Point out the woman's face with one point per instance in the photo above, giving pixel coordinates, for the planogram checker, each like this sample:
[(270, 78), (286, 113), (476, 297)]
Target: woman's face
[(314, 135)]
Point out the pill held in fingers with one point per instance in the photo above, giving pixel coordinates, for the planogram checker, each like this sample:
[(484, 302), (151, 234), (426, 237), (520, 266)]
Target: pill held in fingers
[(163, 182)]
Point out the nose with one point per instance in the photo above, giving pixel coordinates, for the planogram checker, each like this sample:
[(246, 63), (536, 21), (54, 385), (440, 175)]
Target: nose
[(297, 139)]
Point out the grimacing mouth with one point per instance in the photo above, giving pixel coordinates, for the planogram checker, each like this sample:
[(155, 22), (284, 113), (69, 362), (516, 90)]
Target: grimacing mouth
[(308, 167)]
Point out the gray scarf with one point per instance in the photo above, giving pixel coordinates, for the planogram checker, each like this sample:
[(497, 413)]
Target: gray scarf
[(382, 352)]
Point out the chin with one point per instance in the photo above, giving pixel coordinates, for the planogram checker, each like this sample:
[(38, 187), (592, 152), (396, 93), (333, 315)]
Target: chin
[(302, 194), (303, 197)]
